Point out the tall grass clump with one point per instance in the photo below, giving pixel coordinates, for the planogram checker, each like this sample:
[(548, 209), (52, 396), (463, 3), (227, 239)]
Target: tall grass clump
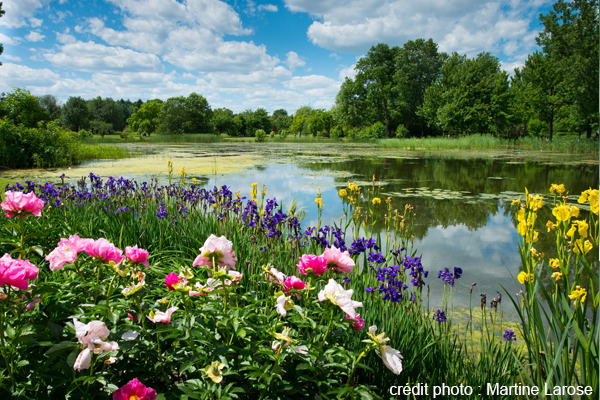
[(187, 138), (219, 296), (101, 152)]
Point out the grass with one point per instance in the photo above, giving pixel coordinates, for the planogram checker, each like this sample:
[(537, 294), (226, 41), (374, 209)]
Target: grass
[(488, 142), (135, 138), (102, 152)]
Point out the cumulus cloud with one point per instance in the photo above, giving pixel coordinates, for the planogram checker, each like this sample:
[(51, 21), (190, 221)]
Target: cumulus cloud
[(12, 58), (19, 11), (35, 22), (7, 40), (34, 36), (15, 75), (93, 57), (65, 38), (293, 60), (465, 26), (347, 72)]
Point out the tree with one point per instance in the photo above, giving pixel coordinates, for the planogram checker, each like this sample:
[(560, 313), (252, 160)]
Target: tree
[(281, 120), (50, 104), (22, 107), (375, 72), (223, 121), (107, 110), (179, 115), (570, 38), (351, 106), (418, 65), (75, 114), (2, 12), (145, 118)]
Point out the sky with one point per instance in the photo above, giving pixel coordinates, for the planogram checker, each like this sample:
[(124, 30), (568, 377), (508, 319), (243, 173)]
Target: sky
[(239, 54)]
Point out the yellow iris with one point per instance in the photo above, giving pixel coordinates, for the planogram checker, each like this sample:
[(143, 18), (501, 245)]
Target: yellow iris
[(557, 276), (562, 213), (319, 201), (586, 246), (578, 294), (376, 200), (516, 201), (343, 192), (523, 277), (571, 231), (557, 189), (582, 228), (592, 196), (550, 225), (554, 262)]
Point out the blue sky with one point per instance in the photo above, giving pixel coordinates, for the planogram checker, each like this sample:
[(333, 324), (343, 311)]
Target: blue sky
[(239, 54)]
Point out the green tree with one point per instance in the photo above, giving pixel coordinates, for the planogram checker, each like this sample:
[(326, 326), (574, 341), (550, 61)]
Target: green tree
[(570, 38), (75, 114), (179, 115), (418, 65), (223, 121), (145, 118), (22, 107), (50, 104), (351, 105), (281, 120), (376, 73), (107, 110)]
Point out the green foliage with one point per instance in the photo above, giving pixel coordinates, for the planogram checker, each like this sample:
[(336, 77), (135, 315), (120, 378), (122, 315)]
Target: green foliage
[(401, 131), (50, 104), (108, 111), (337, 133), (281, 120), (145, 118), (283, 133), (179, 115), (21, 107), (378, 131), (48, 145), (223, 120), (260, 135), (75, 114), (537, 128), (85, 134)]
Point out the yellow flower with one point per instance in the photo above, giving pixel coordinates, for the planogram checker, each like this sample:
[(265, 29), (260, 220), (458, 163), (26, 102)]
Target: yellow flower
[(182, 172), (554, 262), (524, 277), (522, 228), (578, 294), (571, 231), (343, 192), (285, 335), (586, 246), (562, 213), (550, 225), (557, 189), (557, 276), (592, 196), (516, 201), (521, 215), (319, 201), (582, 228), (214, 371), (376, 200), (255, 185), (574, 211), (535, 236)]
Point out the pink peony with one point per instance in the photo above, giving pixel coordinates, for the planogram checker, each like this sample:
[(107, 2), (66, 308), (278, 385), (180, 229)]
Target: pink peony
[(136, 255), (171, 279), (163, 317), (316, 264), (66, 251), (338, 260), (16, 273), (104, 250), (134, 390), (293, 282), (358, 323), (18, 204), (276, 276), (218, 248)]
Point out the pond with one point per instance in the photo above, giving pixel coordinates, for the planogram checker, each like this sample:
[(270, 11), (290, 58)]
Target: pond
[(462, 200)]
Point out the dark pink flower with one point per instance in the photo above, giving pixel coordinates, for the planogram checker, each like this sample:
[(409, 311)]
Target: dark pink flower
[(135, 390), (136, 255), (293, 282), (172, 279), (358, 323), (104, 250), (17, 204), (16, 273), (309, 262)]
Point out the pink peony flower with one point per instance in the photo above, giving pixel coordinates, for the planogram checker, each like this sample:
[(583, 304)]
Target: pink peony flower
[(293, 282), (16, 273), (163, 317), (276, 276), (309, 262), (104, 250), (17, 204), (171, 279), (237, 276), (66, 251), (338, 260), (218, 248), (84, 359), (136, 255), (134, 390), (358, 323)]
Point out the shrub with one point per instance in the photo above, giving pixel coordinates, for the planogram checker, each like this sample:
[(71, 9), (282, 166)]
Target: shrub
[(260, 135), (378, 130), (337, 133), (401, 131), (283, 133), (537, 128)]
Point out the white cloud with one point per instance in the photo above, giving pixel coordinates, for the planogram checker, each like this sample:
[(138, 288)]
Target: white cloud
[(268, 7), (92, 57), (334, 55), (349, 72), (65, 38), (12, 58), (465, 26), (18, 11), (15, 75), (35, 22), (34, 36), (6, 40), (293, 60), (510, 67)]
